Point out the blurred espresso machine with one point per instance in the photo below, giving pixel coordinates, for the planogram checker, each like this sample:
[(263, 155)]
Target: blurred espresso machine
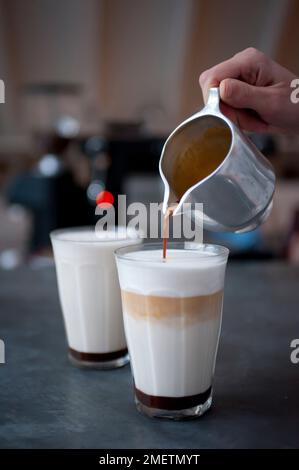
[(71, 166)]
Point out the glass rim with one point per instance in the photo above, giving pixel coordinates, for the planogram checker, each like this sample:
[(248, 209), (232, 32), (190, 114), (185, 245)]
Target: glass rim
[(56, 234), (221, 252)]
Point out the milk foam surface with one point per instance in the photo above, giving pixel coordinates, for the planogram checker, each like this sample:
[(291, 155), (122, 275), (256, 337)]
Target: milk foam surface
[(184, 272)]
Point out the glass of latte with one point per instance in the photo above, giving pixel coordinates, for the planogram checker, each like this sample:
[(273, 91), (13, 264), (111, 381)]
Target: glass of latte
[(172, 315), (90, 295)]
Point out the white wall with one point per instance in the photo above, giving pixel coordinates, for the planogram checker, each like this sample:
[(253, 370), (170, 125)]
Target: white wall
[(135, 58), (57, 40), (144, 44), (222, 28), (50, 41), (8, 120)]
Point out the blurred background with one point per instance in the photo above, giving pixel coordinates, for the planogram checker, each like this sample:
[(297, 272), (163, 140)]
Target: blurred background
[(93, 88)]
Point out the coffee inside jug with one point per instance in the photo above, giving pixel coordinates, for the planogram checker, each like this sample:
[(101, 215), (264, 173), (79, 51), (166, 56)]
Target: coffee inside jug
[(199, 158)]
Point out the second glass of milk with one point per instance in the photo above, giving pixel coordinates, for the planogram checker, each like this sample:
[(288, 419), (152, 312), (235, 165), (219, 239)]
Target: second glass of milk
[(89, 294)]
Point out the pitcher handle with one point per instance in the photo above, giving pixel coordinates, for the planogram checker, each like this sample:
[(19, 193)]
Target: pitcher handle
[(213, 100)]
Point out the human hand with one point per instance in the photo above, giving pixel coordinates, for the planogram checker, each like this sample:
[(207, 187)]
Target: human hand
[(255, 92)]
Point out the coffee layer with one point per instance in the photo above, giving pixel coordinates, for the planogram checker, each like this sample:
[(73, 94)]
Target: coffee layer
[(172, 403), (97, 357), (201, 307)]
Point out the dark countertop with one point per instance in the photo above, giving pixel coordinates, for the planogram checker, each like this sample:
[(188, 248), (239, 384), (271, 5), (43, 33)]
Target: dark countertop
[(47, 403)]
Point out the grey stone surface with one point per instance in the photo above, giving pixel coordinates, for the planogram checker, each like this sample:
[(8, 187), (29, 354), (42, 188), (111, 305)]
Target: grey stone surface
[(47, 403)]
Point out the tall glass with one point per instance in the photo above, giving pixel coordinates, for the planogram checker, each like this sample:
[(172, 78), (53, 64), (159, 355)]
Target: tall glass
[(172, 314), (90, 295)]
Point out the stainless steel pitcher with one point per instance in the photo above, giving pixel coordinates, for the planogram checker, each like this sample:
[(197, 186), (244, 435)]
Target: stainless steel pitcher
[(237, 196)]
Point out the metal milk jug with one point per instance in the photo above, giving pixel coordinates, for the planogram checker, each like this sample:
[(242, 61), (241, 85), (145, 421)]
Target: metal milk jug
[(237, 194)]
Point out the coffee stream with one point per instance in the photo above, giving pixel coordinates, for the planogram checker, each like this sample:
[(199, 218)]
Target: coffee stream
[(197, 161), (167, 215)]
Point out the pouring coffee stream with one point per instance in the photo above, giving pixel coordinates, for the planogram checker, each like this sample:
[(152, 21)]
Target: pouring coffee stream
[(209, 160), (165, 229)]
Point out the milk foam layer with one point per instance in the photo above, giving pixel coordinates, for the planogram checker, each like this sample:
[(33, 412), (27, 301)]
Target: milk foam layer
[(184, 273)]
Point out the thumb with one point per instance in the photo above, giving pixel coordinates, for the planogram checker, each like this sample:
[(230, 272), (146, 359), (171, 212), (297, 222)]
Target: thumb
[(242, 95)]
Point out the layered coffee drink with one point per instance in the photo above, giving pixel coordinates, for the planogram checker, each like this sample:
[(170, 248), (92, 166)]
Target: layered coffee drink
[(90, 295), (172, 313)]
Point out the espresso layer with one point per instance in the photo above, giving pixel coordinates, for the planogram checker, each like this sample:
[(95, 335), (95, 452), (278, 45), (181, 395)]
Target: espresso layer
[(142, 306), (97, 357), (173, 403)]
